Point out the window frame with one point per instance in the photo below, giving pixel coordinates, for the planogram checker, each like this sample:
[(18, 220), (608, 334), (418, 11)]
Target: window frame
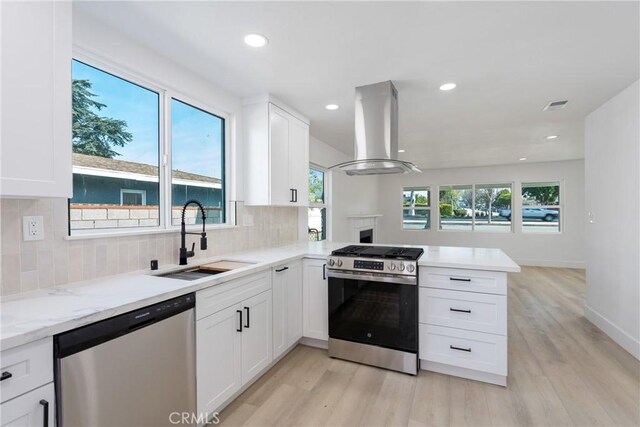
[(473, 207), (559, 206), (124, 191), (325, 204), (165, 93), (428, 208)]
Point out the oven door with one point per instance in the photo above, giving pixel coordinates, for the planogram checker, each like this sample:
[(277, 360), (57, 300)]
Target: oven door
[(374, 309)]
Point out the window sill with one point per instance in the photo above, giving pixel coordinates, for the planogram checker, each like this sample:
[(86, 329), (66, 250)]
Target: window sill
[(131, 233)]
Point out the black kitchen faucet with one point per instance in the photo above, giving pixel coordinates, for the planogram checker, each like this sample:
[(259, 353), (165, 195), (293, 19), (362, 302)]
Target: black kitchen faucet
[(184, 253)]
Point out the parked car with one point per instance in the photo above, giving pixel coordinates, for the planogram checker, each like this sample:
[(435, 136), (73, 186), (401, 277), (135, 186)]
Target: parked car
[(533, 213)]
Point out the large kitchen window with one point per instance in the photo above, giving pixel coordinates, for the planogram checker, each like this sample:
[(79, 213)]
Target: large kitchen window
[(541, 207), (416, 208), (317, 204), (197, 163), (119, 180), (481, 207)]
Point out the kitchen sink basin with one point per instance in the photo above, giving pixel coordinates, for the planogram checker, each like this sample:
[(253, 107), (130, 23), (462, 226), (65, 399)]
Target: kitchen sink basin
[(195, 273), (191, 274)]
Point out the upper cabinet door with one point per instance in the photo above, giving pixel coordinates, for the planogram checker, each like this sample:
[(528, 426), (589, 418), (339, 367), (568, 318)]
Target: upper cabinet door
[(299, 165), (35, 141), (275, 154), (279, 130)]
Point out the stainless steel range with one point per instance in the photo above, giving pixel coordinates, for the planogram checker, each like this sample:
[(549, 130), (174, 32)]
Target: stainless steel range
[(373, 306)]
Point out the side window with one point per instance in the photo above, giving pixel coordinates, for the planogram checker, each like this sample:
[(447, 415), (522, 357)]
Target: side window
[(416, 208), (541, 208), (317, 204)]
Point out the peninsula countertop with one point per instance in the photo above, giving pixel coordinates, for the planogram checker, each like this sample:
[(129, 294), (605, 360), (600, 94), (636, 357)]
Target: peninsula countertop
[(45, 312)]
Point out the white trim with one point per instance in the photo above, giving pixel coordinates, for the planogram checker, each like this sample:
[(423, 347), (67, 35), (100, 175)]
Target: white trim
[(622, 338), (119, 232), (458, 371), (535, 262)]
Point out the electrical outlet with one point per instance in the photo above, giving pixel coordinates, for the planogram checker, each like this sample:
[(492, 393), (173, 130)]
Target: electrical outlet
[(32, 228)]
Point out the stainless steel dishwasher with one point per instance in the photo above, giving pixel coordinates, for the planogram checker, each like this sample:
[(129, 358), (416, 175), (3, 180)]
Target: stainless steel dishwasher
[(135, 369)]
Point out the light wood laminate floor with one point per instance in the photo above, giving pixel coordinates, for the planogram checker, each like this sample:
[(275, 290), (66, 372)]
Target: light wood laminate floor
[(562, 371)]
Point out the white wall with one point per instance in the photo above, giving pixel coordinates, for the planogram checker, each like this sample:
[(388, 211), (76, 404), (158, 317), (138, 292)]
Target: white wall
[(612, 161), (565, 249), (99, 41), (348, 195)]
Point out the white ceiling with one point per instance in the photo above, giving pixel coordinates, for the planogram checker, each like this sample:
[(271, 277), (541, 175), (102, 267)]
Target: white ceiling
[(509, 60)]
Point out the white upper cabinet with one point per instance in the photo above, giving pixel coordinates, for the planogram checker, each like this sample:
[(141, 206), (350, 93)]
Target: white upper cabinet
[(276, 154), (35, 141)]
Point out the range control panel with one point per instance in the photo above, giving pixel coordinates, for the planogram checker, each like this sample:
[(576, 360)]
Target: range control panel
[(368, 265), (387, 266)]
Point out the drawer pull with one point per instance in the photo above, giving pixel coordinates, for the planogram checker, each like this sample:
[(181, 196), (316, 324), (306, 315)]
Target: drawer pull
[(282, 269), (5, 375), (459, 279), (459, 310), (45, 414), (453, 347)]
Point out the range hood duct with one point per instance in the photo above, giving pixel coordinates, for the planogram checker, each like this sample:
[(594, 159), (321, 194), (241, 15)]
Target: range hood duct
[(376, 133)]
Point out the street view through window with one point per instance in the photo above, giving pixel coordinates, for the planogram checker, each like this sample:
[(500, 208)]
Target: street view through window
[(116, 155), (416, 212), (317, 205)]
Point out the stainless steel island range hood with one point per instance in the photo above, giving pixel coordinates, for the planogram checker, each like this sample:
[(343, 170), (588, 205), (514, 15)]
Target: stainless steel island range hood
[(376, 148)]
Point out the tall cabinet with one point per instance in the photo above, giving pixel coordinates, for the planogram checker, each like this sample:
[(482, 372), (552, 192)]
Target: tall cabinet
[(35, 153), (276, 153)]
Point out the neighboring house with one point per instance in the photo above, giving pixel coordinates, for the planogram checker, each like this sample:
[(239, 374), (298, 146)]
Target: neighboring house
[(100, 182)]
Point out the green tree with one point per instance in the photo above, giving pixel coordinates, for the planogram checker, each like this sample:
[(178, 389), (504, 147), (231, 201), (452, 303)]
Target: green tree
[(450, 196), (92, 134), (316, 186), (503, 201), (544, 195)]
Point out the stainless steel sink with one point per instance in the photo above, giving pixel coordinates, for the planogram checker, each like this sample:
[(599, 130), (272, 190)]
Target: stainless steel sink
[(191, 274)]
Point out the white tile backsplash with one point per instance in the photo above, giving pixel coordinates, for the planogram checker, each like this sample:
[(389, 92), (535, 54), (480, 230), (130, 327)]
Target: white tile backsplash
[(53, 261)]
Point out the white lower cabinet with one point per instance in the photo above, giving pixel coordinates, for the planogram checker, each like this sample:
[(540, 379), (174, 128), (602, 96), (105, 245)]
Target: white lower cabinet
[(287, 306), (233, 344), (27, 392), (256, 335), (315, 297), (35, 408), (463, 323), (218, 358)]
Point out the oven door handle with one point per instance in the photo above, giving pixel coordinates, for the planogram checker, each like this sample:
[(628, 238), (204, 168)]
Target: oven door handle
[(385, 278)]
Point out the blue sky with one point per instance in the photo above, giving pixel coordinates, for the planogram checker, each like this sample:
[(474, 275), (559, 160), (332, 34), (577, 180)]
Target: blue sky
[(196, 135)]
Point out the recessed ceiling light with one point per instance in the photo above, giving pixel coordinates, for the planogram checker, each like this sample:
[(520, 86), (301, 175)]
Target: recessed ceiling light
[(448, 86), (552, 136), (523, 159), (255, 40), (332, 107), (400, 151)]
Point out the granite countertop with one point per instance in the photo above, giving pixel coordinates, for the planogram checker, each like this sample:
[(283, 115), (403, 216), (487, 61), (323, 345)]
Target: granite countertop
[(34, 315)]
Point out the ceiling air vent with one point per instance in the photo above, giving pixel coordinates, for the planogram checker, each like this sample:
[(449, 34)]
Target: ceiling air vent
[(555, 105)]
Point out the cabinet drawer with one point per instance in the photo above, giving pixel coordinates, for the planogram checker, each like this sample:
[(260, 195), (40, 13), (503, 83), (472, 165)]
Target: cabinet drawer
[(29, 409), (27, 367), (216, 298), (465, 349), (490, 282), (464, 310)]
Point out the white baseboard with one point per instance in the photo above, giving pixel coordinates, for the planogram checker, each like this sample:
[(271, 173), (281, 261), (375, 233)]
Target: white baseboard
[(549, 263), (313, 342), (469, 374), (625, 340)]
